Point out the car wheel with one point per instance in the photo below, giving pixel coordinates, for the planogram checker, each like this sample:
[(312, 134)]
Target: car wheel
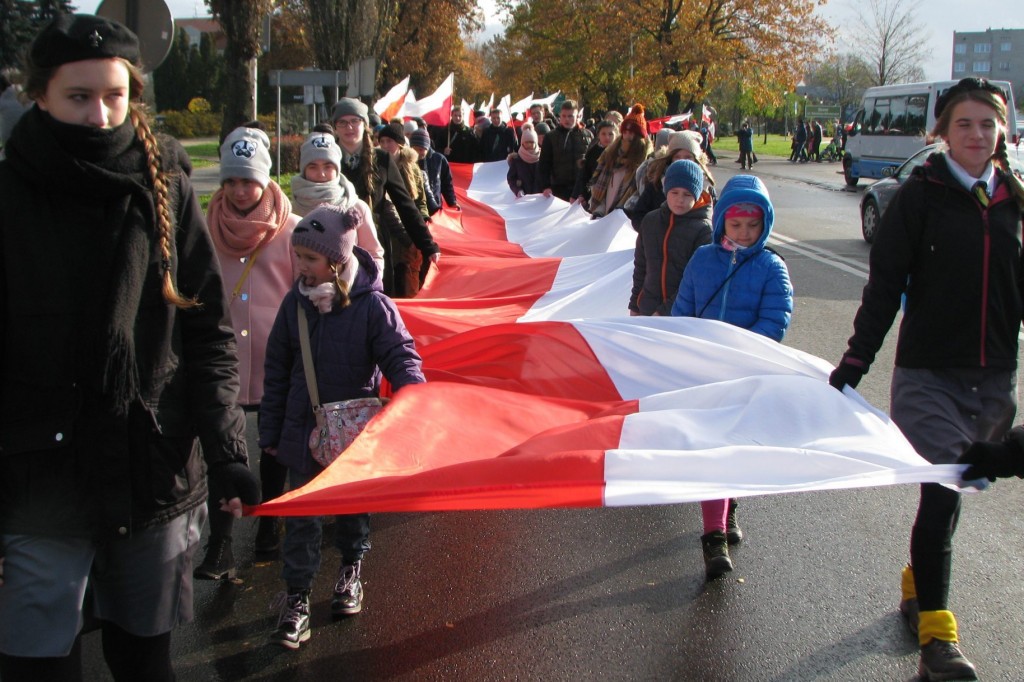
[(869, 220), (848, 172)]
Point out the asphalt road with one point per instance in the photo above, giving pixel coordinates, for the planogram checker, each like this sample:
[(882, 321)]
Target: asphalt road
[(619, 594)]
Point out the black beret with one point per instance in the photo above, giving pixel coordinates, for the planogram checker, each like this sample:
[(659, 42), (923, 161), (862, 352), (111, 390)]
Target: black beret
[(76, 37)]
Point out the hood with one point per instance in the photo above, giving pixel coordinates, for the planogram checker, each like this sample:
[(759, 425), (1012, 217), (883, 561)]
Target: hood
[(742, 189)]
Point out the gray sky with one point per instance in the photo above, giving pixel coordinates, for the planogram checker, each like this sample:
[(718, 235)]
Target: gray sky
[(937, 17)]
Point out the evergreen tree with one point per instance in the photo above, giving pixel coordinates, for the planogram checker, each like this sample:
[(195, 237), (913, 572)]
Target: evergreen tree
[(170, 80), (20, 21)]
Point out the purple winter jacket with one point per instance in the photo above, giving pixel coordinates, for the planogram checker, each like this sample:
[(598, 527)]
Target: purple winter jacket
[(351, 348)]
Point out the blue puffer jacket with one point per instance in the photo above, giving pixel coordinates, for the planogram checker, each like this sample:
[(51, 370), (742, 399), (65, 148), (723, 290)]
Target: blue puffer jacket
[(351, 347), (759, 296)]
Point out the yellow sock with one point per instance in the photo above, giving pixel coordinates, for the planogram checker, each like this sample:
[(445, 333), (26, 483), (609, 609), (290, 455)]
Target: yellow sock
[(936, 625), (907, 583)]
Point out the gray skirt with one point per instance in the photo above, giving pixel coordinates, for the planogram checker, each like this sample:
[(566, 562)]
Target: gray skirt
[(941, 412)]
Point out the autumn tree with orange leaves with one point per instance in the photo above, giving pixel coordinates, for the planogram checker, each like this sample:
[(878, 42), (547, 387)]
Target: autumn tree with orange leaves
[(427, 41), (668, 54)]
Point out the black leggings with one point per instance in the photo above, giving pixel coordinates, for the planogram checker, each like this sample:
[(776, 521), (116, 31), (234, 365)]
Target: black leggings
[(130, 658), (931, 548)]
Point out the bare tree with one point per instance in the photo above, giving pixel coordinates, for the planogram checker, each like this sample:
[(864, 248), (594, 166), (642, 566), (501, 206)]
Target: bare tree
[(242, 21), (345, 31), (840, 79), (891, 40)]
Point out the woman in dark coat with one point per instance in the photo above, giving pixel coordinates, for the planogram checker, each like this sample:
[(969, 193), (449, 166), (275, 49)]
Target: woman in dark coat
[(379, 183), (117, 353)]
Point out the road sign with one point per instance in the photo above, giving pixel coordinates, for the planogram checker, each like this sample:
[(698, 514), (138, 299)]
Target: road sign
[(150, 20), (821, 111)]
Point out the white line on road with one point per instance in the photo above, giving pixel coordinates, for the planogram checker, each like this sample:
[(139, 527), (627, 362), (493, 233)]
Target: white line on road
[(822, 255), (828, 258)]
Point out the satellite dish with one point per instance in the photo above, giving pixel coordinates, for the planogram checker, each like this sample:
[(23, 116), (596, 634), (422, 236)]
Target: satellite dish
[(150, 20)]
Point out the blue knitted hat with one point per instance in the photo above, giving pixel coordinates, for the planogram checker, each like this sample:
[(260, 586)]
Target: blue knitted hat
[(686, 174)]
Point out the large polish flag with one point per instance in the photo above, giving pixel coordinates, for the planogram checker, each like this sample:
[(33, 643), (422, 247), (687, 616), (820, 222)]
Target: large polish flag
[(609, 413), (518, 260), (543, 392)]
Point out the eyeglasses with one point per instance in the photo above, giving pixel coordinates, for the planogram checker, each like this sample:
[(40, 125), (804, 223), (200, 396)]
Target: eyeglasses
[(348, 123)]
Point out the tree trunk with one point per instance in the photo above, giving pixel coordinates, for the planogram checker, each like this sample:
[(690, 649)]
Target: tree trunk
[(672, 99), (238, 90)]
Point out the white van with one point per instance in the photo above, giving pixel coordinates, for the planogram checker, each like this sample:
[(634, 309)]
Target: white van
[(892, 123)]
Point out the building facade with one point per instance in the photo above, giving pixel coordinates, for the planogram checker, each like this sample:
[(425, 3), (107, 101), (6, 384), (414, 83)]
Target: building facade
[(996, 54)]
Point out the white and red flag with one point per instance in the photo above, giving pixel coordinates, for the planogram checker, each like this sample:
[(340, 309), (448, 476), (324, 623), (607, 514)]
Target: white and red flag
[(436, 108), (542, 392), (392, 103), (610, 413)]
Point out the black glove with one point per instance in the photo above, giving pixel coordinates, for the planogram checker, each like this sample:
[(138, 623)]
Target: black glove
[(992, 460), (233, 479), (845, 375)]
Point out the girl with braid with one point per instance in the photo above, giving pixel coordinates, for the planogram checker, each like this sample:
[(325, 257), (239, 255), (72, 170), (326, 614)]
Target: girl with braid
[(117, 358), (951, 241)]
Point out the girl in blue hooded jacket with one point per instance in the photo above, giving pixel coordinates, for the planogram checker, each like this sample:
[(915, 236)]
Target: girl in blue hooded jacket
[(356, 335), (736, 279)]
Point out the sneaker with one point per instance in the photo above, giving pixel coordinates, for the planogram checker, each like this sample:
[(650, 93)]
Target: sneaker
[(348, 591), (716, 554), (268, 535), (944, 661), (292, 619), (733, 532), (219, 563), (911, 613)]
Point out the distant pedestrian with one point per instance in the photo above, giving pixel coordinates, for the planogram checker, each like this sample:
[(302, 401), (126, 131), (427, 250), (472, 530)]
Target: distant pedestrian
[(745, 136), (524, 166), (562, 154)]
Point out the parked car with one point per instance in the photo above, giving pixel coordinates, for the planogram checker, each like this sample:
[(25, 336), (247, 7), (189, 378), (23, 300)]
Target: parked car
[(878, 196)]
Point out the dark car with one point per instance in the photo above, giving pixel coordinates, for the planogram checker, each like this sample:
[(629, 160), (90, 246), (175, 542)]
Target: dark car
[(878, 196)]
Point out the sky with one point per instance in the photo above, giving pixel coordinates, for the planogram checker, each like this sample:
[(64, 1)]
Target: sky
[(938, 18)]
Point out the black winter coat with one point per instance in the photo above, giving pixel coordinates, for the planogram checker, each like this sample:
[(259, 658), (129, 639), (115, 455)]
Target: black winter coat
[(70, 464), (390, 198), (960, 266), (664, 245), (561, 157)]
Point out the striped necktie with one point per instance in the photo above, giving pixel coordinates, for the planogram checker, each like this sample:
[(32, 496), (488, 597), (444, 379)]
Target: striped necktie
[(980, 193)]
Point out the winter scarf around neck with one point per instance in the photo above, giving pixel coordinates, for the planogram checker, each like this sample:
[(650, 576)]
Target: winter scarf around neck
[(105, 168), (307, 195), (528, 155), (324, 295), (238, 235)]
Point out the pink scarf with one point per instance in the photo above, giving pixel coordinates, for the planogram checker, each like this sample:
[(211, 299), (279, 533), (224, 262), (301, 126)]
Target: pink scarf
[(239, 235)]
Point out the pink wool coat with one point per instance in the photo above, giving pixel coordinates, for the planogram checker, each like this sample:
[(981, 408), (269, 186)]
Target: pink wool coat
[(254, 308)]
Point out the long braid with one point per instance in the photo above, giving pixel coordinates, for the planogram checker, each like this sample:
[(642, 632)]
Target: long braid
[(1002, 160), (162, 204)]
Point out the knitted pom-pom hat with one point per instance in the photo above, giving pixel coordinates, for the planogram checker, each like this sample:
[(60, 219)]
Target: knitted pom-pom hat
[(635, 121)]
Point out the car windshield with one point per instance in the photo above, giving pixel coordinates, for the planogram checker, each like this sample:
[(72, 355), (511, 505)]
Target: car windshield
[(914, 161)]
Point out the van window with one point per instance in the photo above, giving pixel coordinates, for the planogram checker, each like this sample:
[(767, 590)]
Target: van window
[(898, 114), (917, 114), (876, 116)]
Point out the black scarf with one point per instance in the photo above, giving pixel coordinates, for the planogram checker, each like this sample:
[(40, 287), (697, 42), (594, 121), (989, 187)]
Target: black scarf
[(106, 167)]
